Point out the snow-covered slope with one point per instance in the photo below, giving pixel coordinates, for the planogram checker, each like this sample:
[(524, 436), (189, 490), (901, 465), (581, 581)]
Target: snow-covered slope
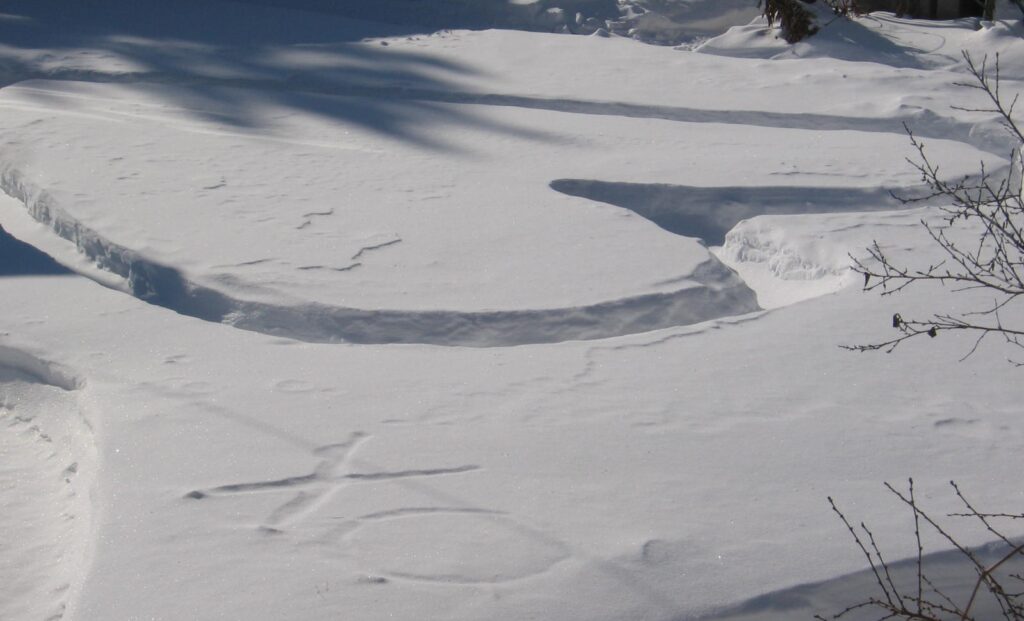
[(630, 436), (47, 463)]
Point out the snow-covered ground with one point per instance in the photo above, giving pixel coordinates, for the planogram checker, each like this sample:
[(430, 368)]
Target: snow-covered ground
[(361, 320)]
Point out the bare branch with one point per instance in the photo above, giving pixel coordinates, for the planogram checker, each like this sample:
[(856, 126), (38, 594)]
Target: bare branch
[(933, 604), (987, 207)]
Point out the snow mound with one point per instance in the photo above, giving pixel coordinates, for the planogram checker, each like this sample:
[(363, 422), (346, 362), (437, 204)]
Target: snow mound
[(45, 465), (885, 39), (791, 258)]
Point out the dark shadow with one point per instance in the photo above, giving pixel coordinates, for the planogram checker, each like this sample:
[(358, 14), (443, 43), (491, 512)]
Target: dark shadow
[(20, 259), (229, 61), (438, 14), (708, 213), (949, 571), (854, 40)]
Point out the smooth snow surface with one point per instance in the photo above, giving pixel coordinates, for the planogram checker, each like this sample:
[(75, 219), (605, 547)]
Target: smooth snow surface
[(310, 316)]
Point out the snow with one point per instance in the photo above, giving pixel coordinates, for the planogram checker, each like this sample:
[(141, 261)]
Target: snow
[(44, 444), (532, 325)]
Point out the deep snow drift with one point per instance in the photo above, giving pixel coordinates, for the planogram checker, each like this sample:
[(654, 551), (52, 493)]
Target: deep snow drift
[(532, 325)]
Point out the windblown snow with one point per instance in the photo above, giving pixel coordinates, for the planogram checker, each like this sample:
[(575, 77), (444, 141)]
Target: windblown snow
[(430, 310)]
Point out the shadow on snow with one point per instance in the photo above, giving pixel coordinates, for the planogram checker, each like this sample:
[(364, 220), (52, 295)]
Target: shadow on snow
[(948, 571), (20, 259), (229, 62), (708, 213)]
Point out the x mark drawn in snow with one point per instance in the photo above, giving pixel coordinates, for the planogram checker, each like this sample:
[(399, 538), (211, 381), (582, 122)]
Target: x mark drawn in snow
[(313, 490)]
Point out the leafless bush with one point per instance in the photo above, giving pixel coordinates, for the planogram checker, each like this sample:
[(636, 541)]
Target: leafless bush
[(992, 261), (923, 600)]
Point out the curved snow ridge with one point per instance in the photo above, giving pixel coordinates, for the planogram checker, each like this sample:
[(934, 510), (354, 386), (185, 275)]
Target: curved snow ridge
[(720, 293), (785, 267), (787, 243), (925, 123), (47, 457), (39, 369), (791, 258), (711, 292), (710, 213)]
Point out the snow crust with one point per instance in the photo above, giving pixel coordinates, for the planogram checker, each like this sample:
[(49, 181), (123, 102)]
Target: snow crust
[(533, 325)]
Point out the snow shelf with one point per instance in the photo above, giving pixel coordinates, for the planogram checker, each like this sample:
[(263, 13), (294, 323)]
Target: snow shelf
[(383, 216)]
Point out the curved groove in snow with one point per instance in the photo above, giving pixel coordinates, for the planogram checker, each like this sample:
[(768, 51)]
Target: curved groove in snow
[(714, 291)]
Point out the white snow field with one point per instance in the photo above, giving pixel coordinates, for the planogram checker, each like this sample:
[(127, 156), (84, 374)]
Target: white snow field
[(345, 319)]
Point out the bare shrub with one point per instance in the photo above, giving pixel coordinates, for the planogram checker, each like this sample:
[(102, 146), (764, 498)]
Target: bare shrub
[(923, 599), (992, 261)]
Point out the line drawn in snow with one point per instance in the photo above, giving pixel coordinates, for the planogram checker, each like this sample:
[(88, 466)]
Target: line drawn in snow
[(313, 490), (442, 547)]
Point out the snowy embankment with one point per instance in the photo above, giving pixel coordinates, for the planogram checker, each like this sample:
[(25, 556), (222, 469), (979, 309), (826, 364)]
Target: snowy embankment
[(44, 442), (311, 254), (315, 178), (713, 291)]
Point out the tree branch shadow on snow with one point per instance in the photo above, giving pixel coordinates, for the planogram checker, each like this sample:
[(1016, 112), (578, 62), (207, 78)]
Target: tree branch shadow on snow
[(232, 63), (708, 213), (949, 570), (237, 64), (959, 582)]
